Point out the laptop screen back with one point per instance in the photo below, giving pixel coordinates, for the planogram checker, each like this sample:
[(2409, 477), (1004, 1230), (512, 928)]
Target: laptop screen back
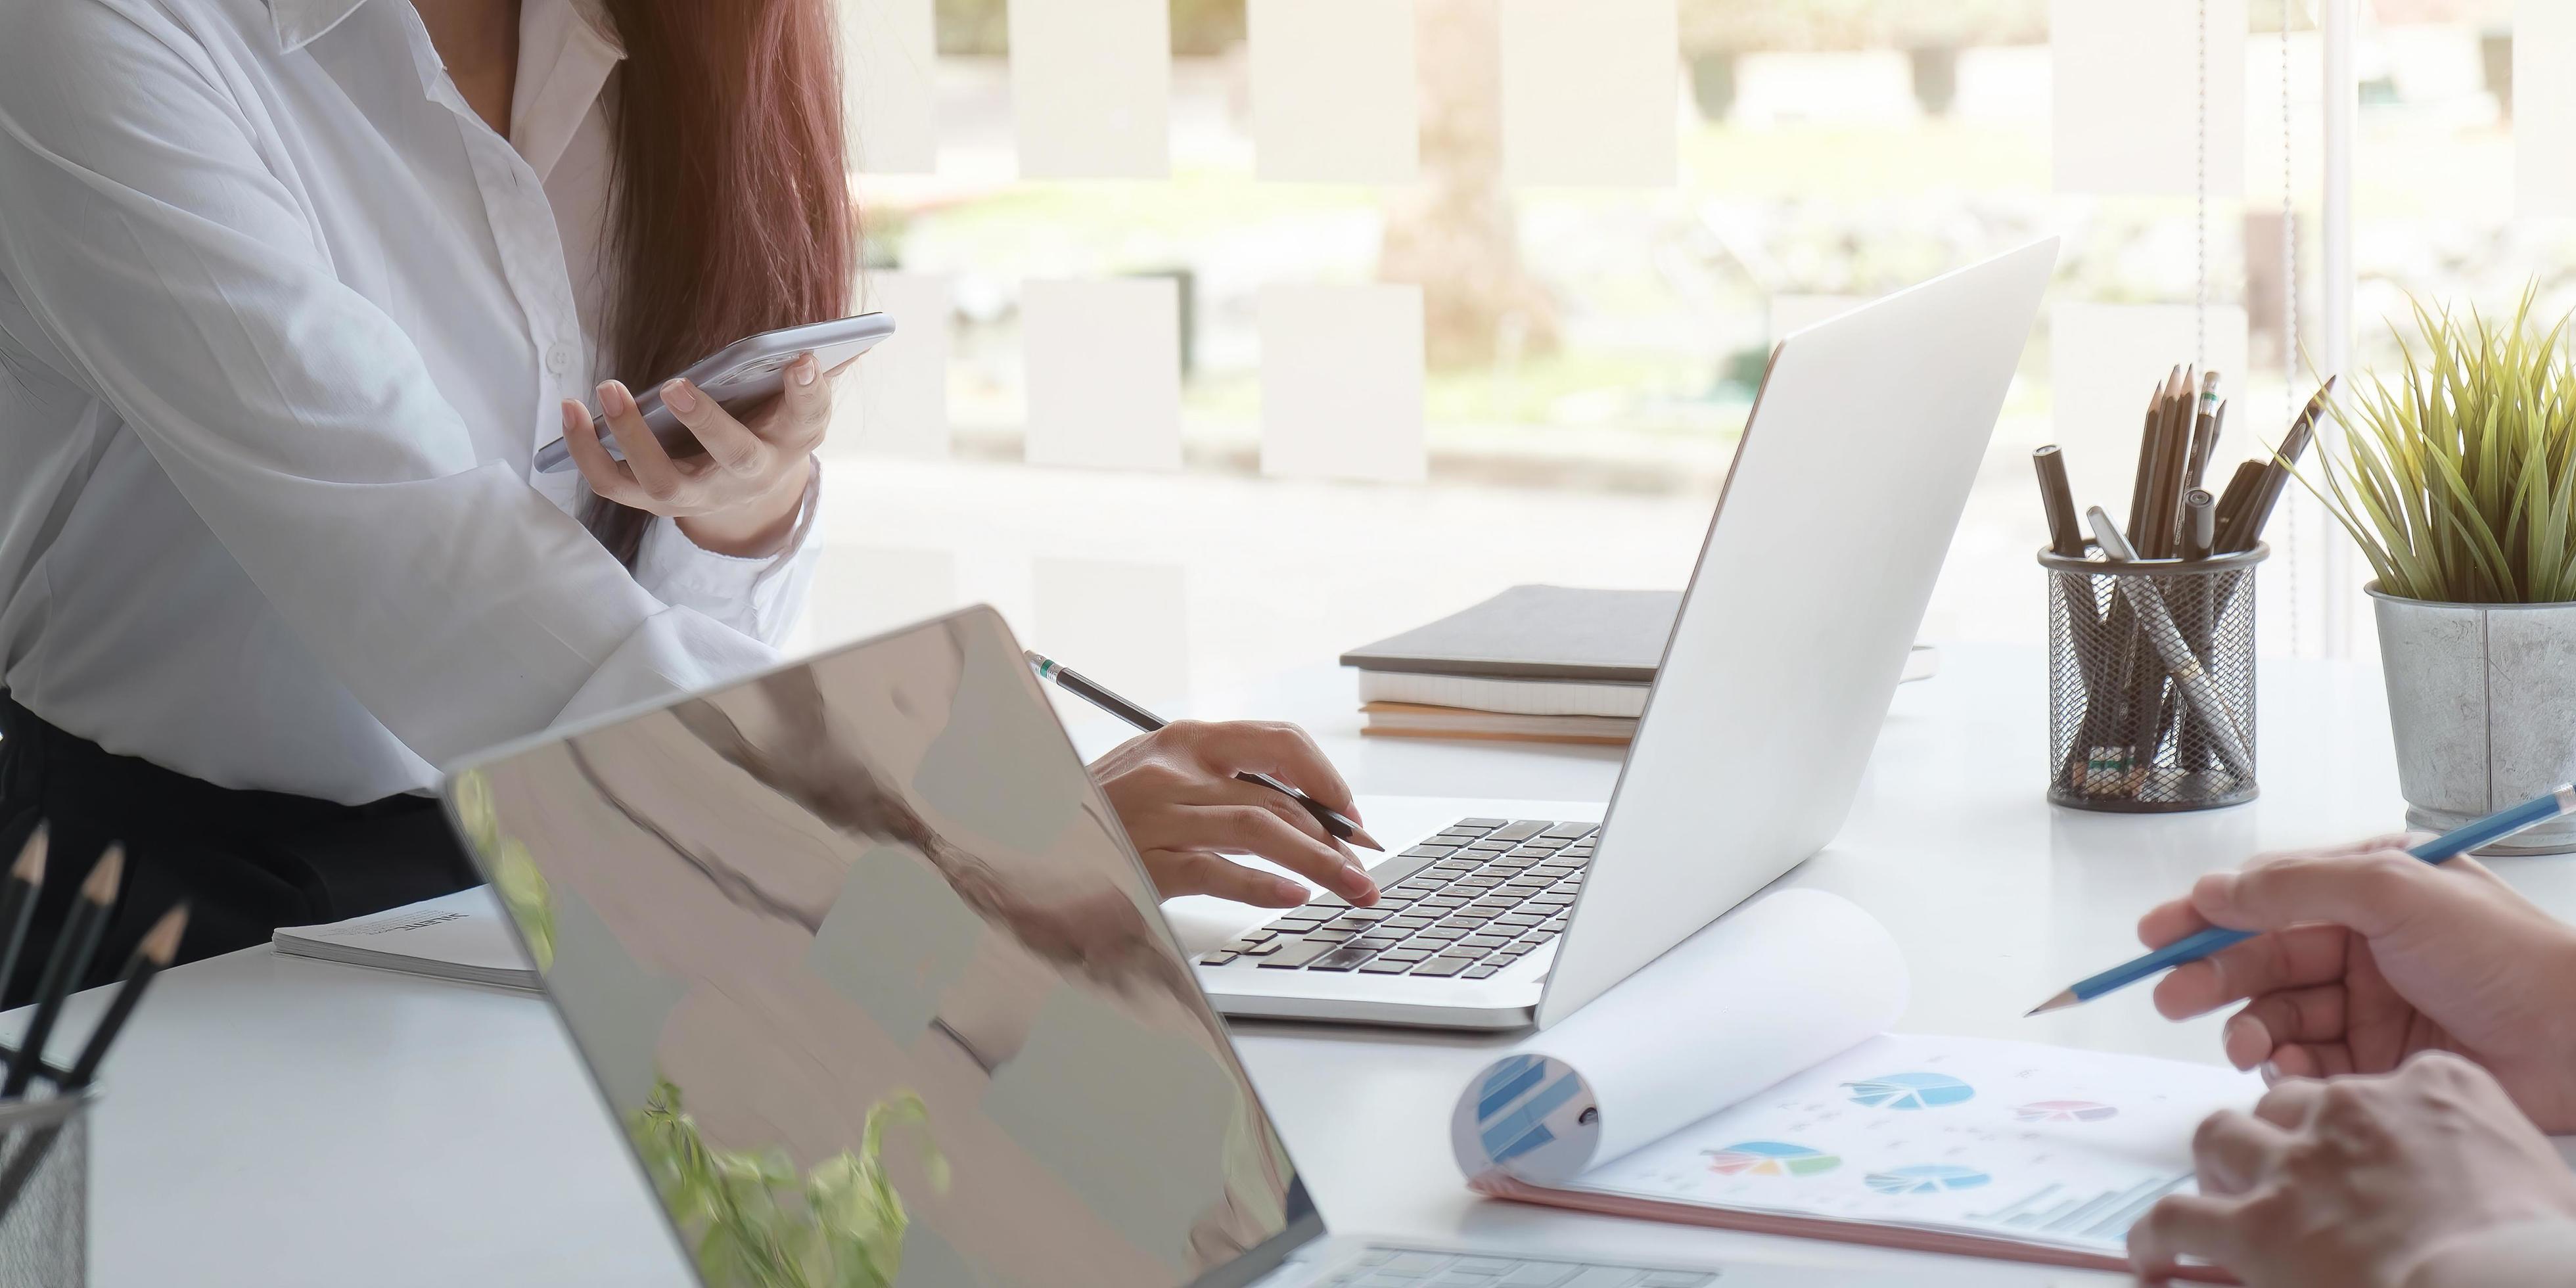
[(862, 961)]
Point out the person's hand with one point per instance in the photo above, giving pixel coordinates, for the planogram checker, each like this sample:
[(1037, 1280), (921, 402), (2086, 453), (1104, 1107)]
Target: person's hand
[(2370, 955), (1175, 791), (2366, 1182), (739, 498)]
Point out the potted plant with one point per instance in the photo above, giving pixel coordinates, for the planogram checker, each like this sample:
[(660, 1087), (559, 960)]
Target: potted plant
[(2458, 479)]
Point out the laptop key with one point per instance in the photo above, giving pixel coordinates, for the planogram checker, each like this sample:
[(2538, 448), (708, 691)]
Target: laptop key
[(1343, 958), (1443, 967), (1296, 955), (1263, 950), (1520, 831), (1381, 966), (1479, 971), (1216, 958), (1483, 941), (1429, 852), (1406, 954), (1538, 1274), (1486, 824)]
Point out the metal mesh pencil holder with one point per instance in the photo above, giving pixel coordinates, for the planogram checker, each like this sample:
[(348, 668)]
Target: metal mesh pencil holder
[(2151, 682), (44, 1190)]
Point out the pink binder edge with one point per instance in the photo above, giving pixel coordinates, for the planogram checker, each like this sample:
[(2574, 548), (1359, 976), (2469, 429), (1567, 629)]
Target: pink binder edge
[(1903, 1238)]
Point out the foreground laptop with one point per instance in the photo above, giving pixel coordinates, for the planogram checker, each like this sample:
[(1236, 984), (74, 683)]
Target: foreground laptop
[(862, 961), (1855, 465)]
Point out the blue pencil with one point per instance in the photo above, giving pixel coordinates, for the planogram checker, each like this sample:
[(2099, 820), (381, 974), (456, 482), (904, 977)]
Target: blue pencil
[(2191, 948)]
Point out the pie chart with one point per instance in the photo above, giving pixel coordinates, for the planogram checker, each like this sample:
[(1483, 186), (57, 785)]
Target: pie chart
[(1770, 1158), (1929, 1178), (2064, 1111), (1910, 1091)]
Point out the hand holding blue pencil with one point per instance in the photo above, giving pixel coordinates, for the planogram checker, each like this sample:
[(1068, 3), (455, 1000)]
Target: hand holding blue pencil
[(2191, 948)]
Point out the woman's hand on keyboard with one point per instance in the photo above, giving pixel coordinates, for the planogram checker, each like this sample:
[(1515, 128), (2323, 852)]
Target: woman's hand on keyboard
[(1176, 792)]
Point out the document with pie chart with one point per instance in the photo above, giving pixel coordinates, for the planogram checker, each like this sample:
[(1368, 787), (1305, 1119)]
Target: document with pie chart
[(1785, 1108)]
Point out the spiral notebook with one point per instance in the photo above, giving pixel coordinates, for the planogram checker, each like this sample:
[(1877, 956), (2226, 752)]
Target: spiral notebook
[(1786, 1108)]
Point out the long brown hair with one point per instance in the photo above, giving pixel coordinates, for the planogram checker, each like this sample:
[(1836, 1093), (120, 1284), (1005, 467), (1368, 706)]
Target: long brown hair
[(732, 209)]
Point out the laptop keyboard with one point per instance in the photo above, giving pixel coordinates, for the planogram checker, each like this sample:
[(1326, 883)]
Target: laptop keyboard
[(1481, 895), (1387, 1268)]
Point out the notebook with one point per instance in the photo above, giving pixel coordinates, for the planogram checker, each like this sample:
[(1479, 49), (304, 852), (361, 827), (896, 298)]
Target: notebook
[(1538, 633), (1788, 1109), (462, 936), (1402, 704)]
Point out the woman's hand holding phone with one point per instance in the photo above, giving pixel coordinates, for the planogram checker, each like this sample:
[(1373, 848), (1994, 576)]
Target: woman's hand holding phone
[(740, 498)]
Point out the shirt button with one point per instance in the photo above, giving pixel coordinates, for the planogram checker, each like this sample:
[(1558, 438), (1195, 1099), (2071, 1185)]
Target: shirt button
[(558, 359)]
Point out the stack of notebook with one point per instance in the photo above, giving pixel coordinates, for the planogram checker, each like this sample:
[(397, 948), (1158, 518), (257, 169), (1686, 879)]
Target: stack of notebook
[(1533, 664), (463, 936)]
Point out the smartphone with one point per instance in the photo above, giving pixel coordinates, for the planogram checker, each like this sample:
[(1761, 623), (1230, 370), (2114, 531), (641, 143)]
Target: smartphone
[(738, 376)]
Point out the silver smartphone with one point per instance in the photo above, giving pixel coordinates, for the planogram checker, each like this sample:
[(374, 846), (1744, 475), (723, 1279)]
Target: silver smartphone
[(738, 376)]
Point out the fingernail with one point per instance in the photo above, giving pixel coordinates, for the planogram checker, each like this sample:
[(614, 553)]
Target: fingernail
[(613, 398), (680, 397), (804, 370), (574, 417), (1289, 891), (2271, 1073)]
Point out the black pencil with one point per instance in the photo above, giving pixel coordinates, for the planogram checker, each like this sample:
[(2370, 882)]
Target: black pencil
[(1091, 691), (18, 902), (2248, 529), (159, 948), (63, 970)]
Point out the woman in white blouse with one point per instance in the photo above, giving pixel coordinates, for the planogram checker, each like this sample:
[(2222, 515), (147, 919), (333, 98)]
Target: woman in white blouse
[(290, 293)]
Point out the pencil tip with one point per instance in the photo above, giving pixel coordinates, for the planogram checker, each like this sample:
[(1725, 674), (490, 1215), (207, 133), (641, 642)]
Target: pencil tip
[(100, 889), (161, 946), (2057, 1003), (30, 867)]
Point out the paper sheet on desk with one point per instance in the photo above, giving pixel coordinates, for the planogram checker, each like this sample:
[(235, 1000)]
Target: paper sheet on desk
[(1744, 1081)]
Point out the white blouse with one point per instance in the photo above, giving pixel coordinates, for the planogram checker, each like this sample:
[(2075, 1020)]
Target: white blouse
[(282, 324)]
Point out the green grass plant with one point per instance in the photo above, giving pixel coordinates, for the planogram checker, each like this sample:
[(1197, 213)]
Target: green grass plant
[(2458, 476)]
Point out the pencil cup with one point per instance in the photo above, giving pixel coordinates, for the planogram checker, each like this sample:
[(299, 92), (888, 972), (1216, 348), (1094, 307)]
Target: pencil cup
[(44, 1190), (2151, 682)]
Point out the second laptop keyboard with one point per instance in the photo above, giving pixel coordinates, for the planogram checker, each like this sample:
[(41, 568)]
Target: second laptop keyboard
[(1481, 895)]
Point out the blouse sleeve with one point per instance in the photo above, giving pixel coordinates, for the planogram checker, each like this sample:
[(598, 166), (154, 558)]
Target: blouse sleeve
[(184, 286), (759, 597)]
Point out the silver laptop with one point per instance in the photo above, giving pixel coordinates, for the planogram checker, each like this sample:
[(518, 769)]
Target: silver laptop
[(860, 958), (1855, 465)]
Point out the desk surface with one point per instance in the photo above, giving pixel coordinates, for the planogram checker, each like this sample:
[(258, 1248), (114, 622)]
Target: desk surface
[(281, 1122)]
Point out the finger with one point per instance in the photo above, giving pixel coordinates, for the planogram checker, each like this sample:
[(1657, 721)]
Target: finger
[(807, 408), (2231, 1151), (1282, 750), (2291, 1102), (2183, 1225), (2295, 958), (1235, 791), (608, 478), (2169, 921), (2274, 1020), (2308, 1060), (1199, 872), (2371, 893), (729, 443), (1251, 829), (654, 472)]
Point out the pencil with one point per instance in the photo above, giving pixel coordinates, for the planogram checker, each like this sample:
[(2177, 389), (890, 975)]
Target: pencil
[(2191, 948), (64, 968), (1089, 690), (2204, 433), (2232, 502), (2173, 453), (18, 902), (159, 948), (2065, 533), (2147, 453), (2248, 529)]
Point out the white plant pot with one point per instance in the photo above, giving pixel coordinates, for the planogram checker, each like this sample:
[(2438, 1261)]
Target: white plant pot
[(2482, 701)]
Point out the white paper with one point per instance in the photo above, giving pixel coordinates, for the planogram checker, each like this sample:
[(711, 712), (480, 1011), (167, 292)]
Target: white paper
[(1591, 92), (2544, 108), (1091, 88), (2030, 1142), (1104, 372), (889, 60), (1333, 91), (899, 390), (861, 591), (1123, 624), (1772, 988), (1341, 382), (2128, 86), (2107, 359)]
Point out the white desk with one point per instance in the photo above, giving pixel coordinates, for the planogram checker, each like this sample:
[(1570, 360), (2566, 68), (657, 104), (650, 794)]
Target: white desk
[(277, 1122)]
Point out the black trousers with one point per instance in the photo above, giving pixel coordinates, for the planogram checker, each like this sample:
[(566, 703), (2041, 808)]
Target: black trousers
[(245, 862)]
